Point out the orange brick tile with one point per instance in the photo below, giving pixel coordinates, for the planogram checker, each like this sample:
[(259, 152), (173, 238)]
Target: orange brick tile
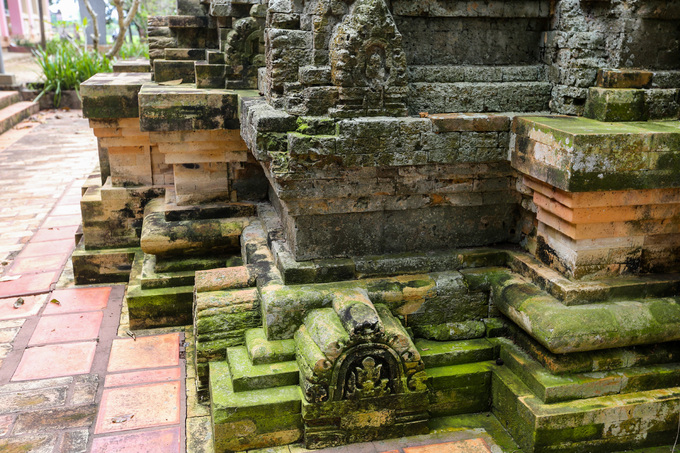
[(463, 446), (142, 406), (60, 246), (29, 284), (78, 299), (33, 264), (145, 352), (55, 361), (68, 327), (157, 441), (143, 377), (30, 307)]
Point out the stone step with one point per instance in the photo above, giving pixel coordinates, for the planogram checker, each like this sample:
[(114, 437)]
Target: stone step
[(221, 319), (210, 75), (459, 389), (157, 307), (97, 228), (185, 107), (159, 272), (151, 279), (8, 98), (254, 418), (214, 57), (15, 113), (225, 278), (479, 97), (184, 54), (262, 351), (167, 70), (552, 388), (132, 65), (197, 264), (102, 265), (186, 237), (445, 353), (246, 376), (602, 424)]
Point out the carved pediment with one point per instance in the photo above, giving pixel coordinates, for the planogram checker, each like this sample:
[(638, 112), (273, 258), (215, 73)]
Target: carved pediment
[(368, 61)]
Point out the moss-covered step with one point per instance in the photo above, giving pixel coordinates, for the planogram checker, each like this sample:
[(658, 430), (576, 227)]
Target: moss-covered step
[(210, 75), (221, 319), (594, 361), (102, 265), (584, 155), (446, 353), (170, 70), (603, 325), (603, 424), (410, 296), (551, 388), (107, 95), (185, 237), (157, 307), (338, 269), (616, 104), (262, 351), (252, 419), (459, 389), (570, 292), (247, 376), (151, 279), (185, 107)]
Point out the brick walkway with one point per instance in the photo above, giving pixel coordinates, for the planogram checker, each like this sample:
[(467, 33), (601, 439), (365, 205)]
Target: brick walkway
[(68, 383)]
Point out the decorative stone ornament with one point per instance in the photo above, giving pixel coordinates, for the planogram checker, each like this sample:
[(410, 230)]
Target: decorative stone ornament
[(368, 62), (358, 365)]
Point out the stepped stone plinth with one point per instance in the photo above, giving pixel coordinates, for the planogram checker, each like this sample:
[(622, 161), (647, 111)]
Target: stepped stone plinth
[(375, 214)]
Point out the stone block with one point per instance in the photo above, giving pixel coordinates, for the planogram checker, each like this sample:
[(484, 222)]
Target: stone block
[(616, 104), (475, 122), (184, 108), (252, 419), (247, 376), (132, 65), (624, 78), (583, 155), (184, 54), (112, 95), (168, 70), (263, 351)]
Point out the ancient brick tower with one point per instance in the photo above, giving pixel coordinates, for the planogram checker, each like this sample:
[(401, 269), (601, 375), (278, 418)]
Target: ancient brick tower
[(361, 205)]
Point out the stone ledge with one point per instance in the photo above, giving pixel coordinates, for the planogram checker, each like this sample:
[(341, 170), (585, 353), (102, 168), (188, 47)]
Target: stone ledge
[(112, 95), (584, 155)]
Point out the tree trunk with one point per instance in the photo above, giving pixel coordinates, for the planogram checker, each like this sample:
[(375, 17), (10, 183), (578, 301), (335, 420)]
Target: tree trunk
[(95, 26), (123, 25)]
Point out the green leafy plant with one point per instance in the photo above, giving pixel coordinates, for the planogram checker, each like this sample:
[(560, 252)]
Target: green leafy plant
[(65, 65), (134, 50)]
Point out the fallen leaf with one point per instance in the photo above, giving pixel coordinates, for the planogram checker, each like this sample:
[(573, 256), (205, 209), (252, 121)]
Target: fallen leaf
[(55, 302), (131, 335), (122, 418), (19, 302), (171, 83)]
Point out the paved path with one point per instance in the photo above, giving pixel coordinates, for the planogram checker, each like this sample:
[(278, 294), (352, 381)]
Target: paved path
[(68, 382)]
